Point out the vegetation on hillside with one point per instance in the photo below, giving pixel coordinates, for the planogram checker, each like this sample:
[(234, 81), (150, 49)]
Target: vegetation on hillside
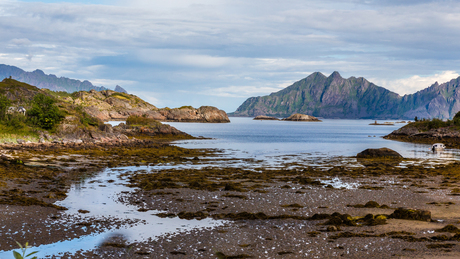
[(44, 110), (435, 123), (135, 120)]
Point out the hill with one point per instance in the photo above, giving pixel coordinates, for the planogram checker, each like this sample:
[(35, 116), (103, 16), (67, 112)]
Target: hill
[(354, 98), (41, 80), (30, 113)]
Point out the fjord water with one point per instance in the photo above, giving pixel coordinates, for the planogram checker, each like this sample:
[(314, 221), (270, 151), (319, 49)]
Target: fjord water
[(250, 138)]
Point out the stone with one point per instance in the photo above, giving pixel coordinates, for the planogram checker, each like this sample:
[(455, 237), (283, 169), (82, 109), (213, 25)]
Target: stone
[(379, 153), (331, 229), (20, 141), (411, 214)]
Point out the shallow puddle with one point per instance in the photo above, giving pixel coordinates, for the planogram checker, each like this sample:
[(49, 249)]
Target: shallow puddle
[(99, 196)]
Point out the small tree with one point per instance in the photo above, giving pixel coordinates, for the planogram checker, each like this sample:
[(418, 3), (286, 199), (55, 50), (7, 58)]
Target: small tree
[(44, 113), (415, 119), (5, 103)]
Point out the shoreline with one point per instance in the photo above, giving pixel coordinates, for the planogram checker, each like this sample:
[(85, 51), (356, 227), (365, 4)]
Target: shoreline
[(266, 210)]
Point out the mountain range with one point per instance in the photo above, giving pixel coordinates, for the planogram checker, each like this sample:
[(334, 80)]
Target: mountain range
[(41, 80), (354, 98)]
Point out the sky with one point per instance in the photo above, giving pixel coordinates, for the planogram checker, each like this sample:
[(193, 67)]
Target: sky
[(221, 52)]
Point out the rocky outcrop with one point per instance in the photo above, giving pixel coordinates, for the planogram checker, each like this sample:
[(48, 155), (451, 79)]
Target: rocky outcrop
[(151, 131), (354, 98), (379, 153), (263, 117), (189, 114), (450, 136), (110, 105), (301, 117)]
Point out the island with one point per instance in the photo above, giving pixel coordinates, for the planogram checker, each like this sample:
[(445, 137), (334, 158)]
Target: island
[(263, 117), (301, 117)]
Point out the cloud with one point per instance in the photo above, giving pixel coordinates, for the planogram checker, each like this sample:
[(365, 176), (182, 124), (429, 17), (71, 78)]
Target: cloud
[(20, 42), (416, 83), (251, 46), (111, 83)]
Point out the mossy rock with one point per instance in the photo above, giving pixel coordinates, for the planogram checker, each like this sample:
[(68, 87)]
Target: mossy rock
[(449, 228), (372, 204), (411, 214)]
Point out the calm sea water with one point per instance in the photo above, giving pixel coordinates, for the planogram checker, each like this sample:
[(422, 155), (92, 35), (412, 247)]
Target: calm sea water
[(245, 137)]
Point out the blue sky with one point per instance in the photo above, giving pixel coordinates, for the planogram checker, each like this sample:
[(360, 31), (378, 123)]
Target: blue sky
[(220, 52)]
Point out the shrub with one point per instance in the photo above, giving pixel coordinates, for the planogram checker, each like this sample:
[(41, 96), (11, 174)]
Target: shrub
[(5, 103), (141, 120), (44, 113)]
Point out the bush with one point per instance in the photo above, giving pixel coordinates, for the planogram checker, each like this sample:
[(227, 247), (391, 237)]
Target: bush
[(141, 120), (15, 121), (44, 113), (5, 103)]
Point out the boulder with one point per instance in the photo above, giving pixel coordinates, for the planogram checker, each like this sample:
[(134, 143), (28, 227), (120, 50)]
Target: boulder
[(301, 117), (379, 153), (411, 214)]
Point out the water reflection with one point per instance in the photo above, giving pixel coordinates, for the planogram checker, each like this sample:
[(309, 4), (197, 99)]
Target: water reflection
[(102, 202)]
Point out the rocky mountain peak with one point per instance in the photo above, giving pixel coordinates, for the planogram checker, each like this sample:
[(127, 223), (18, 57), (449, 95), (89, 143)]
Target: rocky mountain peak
[(354, 98), (335, 75), (120, 89)]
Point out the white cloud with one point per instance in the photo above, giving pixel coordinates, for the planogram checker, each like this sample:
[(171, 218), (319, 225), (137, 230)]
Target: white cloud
[(111, 83), (415, 83), (253, 46)]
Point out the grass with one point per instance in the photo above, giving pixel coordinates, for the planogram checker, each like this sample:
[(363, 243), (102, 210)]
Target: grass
[(9, 134), (135, 120), (120, 96)]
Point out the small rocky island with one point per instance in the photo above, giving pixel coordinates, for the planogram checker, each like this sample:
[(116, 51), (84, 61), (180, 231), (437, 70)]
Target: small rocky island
[(265, 118), (301, 117)]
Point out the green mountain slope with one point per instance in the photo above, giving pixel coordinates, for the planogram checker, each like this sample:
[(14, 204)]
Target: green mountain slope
[(353, 98)]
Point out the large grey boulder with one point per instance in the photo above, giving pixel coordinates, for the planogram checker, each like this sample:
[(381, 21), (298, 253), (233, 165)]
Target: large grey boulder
[(379, 153)]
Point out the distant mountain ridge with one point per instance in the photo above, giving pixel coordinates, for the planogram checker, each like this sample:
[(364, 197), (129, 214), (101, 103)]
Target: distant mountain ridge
[(354, 98), (41, 80)]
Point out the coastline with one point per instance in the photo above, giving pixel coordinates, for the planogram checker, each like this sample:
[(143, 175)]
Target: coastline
[(266, 212)]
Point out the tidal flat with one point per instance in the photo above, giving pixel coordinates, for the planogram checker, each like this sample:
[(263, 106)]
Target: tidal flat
[(151, 199)]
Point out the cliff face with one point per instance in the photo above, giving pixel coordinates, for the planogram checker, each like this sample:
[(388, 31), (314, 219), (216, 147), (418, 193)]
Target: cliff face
[(354, 98), (41, 80)]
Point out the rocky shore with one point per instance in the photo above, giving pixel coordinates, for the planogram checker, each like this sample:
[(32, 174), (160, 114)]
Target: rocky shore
[(322, 210), (450, 136)]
